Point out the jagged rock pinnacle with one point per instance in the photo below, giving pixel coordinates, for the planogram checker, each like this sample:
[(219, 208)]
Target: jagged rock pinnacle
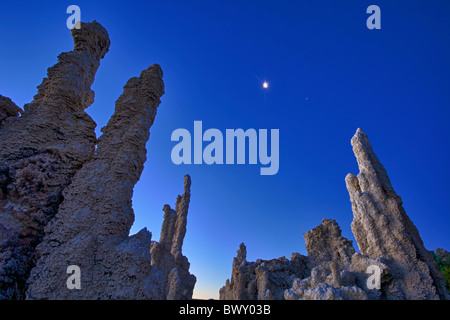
[(383, 230), (41, 151), (167, 253), (325, 243), (386, 237), (92, 225)]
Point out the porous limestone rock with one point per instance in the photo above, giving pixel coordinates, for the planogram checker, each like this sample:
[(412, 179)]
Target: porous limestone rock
[(332, 270), (65, 197), (326, 282), (325, 243), (390, 246), (41, 150), (167, 253), (8, 108), (331, 254), (91, 227), (383, 230), (263, 279)]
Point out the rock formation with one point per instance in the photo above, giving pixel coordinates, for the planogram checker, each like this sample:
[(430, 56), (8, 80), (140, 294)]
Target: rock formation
[(8, 108), (263, 279), (66, 196), (383, 230), (390, 249), (167, 254), (65, 199), (91, 227), (325, 243), (41, 152)]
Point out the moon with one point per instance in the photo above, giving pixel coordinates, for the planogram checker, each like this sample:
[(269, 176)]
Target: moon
[(265, 85)]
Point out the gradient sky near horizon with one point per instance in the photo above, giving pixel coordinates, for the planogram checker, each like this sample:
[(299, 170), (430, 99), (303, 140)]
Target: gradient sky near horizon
[(328, 74)]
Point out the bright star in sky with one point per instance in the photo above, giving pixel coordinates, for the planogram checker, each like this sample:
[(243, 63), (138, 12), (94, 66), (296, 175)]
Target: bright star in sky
[(265, 85)]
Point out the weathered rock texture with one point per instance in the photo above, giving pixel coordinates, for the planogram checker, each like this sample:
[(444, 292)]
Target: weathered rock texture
[(41, 151), (333, 270), (8, 108), (66, 197), (167, 253), (92, 224), (325, 243), (263, 279), (383, 230)]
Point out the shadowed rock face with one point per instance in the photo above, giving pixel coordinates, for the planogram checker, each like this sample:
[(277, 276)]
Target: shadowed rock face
[(386, 237), (91, 227), (8, 108), (263, 279), (167, 254), (41, 151), (64, 202)]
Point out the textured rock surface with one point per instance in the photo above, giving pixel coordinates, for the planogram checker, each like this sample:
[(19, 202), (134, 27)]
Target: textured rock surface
[(91, 227), (325, 243), (326, 282), (263, 279), (65, 197), (383, 230), (43, 150), (167, 253), (386, 237), (8, 108), (330, 279)]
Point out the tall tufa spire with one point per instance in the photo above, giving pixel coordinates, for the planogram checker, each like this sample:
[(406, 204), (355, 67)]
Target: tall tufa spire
[(382, 229)]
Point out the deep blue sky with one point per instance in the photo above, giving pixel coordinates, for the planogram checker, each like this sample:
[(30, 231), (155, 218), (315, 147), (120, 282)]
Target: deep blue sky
[(328, 75)]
